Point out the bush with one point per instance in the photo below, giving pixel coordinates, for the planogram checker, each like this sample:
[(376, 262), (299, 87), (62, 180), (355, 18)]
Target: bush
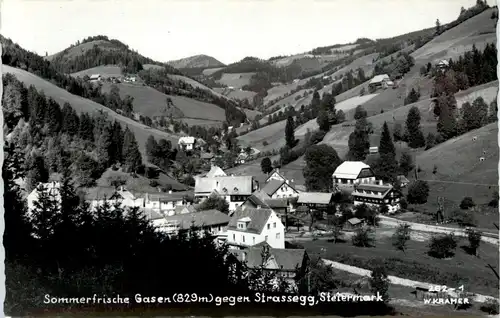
[(467, 203), (189, 181), (418, 192), (490, 307), (442, 246), (265, 143), (154, 183), (317, 137), (363, 237), (403, 203), (463, 218)]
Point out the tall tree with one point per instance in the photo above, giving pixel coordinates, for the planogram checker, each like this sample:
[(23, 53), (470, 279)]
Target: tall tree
[(321, 162), (386, 166), (360, 112), (131, 155), (359, 140), (413, 133), (447, 124), (290, 132), (266, 165), (386, 145)]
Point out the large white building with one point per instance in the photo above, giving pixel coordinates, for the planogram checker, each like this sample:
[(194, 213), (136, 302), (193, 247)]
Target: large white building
[(251, 226), (234, 189), (214, 221), (186, 143), (350, 173), (378, 195)]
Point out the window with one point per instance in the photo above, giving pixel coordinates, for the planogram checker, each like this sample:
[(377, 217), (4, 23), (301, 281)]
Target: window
[(268, 226), (234, 237), (277, 236), (274, 225), (254, 240), (243, 238), (265, 238)]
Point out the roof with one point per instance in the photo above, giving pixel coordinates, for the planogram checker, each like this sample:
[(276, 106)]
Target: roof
[(287, 259), (258, 219), (215, 171), (199, 219), (272, 186), (379, 78), (349, 169), (444, 62), (277, 203), (372, 190), (315, 197), (99, 193), (207, 155), (180, 208), (153, 215), (229, 185), (186, 140), (95, 76), (354, 221), (259, 197), (403, 179), (168, 197)]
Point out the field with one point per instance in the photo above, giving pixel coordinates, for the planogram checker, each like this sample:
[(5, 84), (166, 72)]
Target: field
[(210, 71), (139, 184), (104, 71), (82, 48), (457, 164), (151, 102), (148, 66), (241, 95), (236, 80), (477, 30), (415, 264), (194, 83), (488, 92), (80, 105), (271, 134), (251, 113)]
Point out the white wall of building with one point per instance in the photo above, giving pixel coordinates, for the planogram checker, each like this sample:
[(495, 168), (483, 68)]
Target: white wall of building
[(285, 191), (273, 233)]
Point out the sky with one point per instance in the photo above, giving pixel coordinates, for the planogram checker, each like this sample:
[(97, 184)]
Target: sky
[(228, 30)]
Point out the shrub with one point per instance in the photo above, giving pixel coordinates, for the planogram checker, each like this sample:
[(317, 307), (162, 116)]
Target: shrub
[(403, 203), (442, 246), (265, 143), (490, 307), (467, 203), (474, 240), (154, 183), (363, 237), (379, 282), (463, 218), (418, 192)]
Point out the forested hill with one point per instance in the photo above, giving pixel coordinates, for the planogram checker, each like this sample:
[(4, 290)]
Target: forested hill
[(100, 50)]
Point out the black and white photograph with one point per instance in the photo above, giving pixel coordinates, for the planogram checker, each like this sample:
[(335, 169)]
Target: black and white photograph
[(250, 158)]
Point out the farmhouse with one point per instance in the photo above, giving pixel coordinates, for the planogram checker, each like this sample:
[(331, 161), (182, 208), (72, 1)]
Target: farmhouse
[(53, 191), (380, 81), (350, 173), (261, 199), (234, 189), (213, 221), (315, 200), (279, 188), (377, 195), (186, 143), (277, 175), (216, 171), (251, 226), (353, 223), (285, 262), (95, 77), (443, 64), (166, 203), (110, 195), (373, 150)]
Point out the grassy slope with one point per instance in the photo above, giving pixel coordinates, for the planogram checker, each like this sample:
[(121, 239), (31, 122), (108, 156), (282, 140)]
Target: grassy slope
[(104, 71), (457, 160), (82, 48), (80, 104), (139, 184), (196, 62), (151, 102), (236, 80)]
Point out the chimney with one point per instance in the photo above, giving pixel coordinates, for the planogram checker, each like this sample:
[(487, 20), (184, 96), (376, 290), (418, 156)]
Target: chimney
[(380, 182)]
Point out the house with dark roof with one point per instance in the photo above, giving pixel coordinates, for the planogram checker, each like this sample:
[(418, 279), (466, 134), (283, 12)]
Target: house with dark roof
[(213, 221), (278, 175), (251, 226), (315, 200), (261, 199), (166, 202), (280, 188), (350, 173), (286, 262), (98, 196), (377, 195), (215, 171), (234, 189)]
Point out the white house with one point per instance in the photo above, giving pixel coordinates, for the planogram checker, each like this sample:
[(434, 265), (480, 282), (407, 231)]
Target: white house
[(276, 188), (186, 143), (51, 187), (379, 81), (251, 226), (98, 196), (214, 221), (443, 64), (234, 189), (350, 173), (95, 77), (165, 203), (377, 195)]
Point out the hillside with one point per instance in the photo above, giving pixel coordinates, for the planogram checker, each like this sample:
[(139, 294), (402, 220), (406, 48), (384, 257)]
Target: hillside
[(196, 61), (97, 51), (82, 105)]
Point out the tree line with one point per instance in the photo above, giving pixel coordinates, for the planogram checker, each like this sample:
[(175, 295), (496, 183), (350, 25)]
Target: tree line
[(46, 134)]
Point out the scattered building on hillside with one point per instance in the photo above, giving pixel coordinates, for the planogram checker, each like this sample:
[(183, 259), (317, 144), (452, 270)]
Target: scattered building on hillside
[(280, 188), (373, 150), (443, 65), (242, 158), (109, 195), (251, 226), (276, 174), (213, 221), (377, 195), (287, 263), (216, 171), (186, 143), (403, 181), (350, 173), (156, 218), (51, 187), (380, 81), (296, 80), (95, 77), (315, 200), (234, 189)]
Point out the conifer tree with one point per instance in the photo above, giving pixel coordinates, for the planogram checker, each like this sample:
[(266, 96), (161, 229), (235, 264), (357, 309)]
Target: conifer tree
[(413, 133), (447, 124), (386, 167), (290, 132), (386, 145), (359, 140), (116, 143), (131, 155)]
